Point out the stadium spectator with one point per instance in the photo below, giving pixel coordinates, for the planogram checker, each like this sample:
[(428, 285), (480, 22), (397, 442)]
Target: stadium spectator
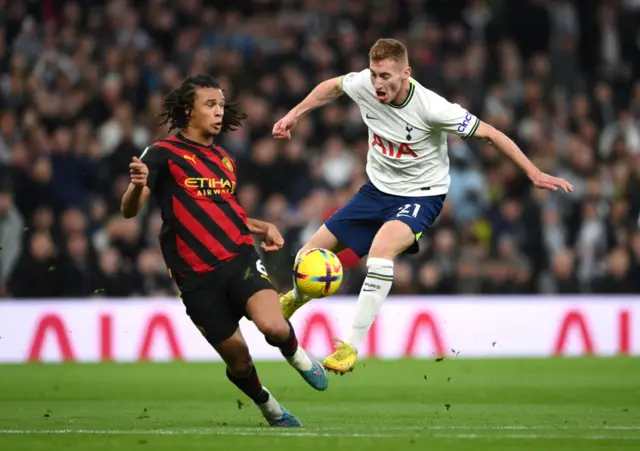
[(11, 231), (36, 274), (81, 83)]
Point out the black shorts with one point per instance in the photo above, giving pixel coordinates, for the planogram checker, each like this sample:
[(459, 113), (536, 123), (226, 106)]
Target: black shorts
[(216, 301)]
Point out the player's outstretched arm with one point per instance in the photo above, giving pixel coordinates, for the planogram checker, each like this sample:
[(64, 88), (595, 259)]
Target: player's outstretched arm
[(137, 193), (504, 144), (272, 239), (324, 93)]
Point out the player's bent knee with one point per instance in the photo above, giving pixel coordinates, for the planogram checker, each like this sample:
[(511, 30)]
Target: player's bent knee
[(393, 238), (264, 310), (274, 330)]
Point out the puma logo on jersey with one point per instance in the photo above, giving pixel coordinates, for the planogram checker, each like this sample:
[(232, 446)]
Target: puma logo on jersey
[(191, 158)]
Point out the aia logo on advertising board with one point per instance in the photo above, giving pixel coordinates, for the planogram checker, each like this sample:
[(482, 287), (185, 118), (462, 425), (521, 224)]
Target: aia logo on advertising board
[(122, 330)]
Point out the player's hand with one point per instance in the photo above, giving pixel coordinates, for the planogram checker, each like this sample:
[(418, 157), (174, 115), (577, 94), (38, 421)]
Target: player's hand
[(546, 181), (284, 127), (139, 172), (273, 240)]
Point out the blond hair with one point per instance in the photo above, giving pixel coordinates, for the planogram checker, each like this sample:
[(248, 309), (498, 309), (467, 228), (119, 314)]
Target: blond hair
[(390, 49)]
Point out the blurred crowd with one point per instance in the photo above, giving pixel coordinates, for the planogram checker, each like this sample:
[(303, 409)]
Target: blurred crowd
[(81, 83)]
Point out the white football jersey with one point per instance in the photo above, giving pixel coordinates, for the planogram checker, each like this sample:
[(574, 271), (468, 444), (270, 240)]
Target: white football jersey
[(408, 143)]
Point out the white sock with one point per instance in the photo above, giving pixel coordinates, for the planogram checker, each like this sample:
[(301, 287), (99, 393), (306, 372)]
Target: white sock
[(270, 409), (374, 291), (300, 360)]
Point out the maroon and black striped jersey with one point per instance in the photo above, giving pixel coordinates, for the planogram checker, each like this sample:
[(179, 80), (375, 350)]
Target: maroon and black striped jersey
[(203, 222)]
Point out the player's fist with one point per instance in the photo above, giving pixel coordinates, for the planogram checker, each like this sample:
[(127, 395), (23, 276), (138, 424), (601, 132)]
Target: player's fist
[(284, 127), (546, 181), (138, 172), (273, 240)]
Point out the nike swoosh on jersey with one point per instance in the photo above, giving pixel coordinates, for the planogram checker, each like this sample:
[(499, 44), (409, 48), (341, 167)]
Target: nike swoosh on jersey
[(370, 117)]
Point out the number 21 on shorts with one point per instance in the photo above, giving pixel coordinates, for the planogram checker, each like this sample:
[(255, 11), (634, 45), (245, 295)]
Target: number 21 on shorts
[(409, 210)]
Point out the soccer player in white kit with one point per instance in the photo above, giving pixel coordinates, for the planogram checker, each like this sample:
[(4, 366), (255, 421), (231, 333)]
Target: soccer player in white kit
[(408, 170)]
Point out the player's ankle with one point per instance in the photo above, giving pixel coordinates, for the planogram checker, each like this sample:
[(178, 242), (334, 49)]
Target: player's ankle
[(270, 407), (353, 344), (298, 296), (300, 360)]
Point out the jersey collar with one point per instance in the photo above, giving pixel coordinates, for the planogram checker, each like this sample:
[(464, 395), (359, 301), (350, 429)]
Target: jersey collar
[(412, 89), (181, 137)]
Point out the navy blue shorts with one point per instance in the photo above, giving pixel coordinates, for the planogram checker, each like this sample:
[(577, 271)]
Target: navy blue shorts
[(357, 223)]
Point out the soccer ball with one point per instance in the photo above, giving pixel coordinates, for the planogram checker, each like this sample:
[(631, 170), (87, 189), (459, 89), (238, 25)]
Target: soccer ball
[(317, 273)]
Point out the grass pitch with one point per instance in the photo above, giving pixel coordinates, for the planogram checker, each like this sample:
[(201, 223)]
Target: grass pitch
[(455, 404)]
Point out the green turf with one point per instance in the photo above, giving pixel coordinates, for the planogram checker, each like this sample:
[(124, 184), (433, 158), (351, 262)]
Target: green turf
[(455, 404)]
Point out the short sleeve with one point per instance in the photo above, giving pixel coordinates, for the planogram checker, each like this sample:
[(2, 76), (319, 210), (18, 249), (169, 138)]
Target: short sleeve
[(452, 118), (355, 82), (155, 158)]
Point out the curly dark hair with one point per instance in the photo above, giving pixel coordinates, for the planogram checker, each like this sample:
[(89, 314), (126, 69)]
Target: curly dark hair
[(176, 104)]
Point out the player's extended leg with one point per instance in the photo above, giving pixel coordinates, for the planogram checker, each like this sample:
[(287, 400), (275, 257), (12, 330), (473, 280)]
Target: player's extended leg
[(264, 310), (322, 239), (243, 374), (393, 238)]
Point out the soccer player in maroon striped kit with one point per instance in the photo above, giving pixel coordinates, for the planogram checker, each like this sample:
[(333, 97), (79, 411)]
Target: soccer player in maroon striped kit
[(207, 242)]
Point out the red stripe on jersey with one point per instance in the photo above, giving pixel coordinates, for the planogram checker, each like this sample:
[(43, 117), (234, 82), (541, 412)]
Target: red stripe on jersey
[(218, 158), (174, 149), (190, 257), (230, 174), (212, 210), (206, 172), (199, 232), (231, 200)]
